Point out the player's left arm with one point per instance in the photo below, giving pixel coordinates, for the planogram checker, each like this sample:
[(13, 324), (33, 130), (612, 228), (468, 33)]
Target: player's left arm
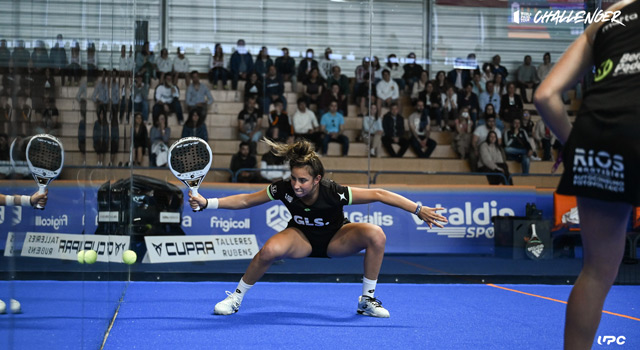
[(370, 195)]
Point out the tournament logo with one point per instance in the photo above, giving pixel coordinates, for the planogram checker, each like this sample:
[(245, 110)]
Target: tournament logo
[(278, 217)]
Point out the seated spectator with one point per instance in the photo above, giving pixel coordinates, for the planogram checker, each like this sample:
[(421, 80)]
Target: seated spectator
[(441, 84), (306, 65), (5, 57), (545, 67), (432, 102), (458, 77), (250, 124), (491, 160), (376, 69), (500, 85), (262, 63), (280, 129), (274, 168), (511, 105), (313, 87), (332, 124), (394, 133), (4, 152), (58, 58), (92, 63), (125, 64), (195, 126), (244, 160), (341, 79), (22, 116), (478, 84), (140, 139), (462, 139), (544, 138), (305, 124), (286, 68), (145, 63), (254, 88), (372, 131), (364, 97), (326, 64), (480, 134), (101, 94), (181, 67), (420, 127), (497, 68), (46, 84), (74, 69), (518, 145), (527, 123), (9, 80), (489, 96), (466, 98), (101, 136), (198, 96), (387, 90), (332, 94), (361, 71), (20, 57), (489, 111), (412, 70), (217, 68), (6, 111), (40, 57), (159, 137), (418, 86), (396, 71), (114, 93), (126, 103), (241, 64), (167, 100), (527, 78), (273, 90), (50, 123), (449, 101), (140, 98), (164, 64)]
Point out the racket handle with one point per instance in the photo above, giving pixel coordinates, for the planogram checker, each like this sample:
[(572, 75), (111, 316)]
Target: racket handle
[(41, 190), (194, 193), (533, 231)]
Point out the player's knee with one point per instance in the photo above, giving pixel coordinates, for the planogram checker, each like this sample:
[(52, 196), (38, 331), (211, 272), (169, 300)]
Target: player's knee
[(270, 252), (377, 237)]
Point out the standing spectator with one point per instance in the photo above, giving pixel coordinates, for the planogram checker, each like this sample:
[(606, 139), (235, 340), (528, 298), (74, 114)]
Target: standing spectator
[(101, 136), (141, 98), (511, 105), (527, 78), (326, 64), (254, 88), (396, 71), (364, 97), (5, 57), (487, 72), (164, 64), (250, 124), (286, 68), (372, 131), (74, 69), (361, 70), (263, 62), (518, 146), (468, 99), (181, 67), (489, 97), (159, 137), (241, 64), (412, 70), (497, 68), (306, 65), (20, 57), (387, 90), (114, 94), (491, 160), (449, 102), (92, 63), (145, 63), (394, 133), (462, 139), (330, 95), (545, 67), (441, 83), (244, 160), (198, 97), (167, 100), (101, 94), (274, 168), (478, 84), (419, 125), (40, 57), (58, 58), (419, 86), (305, 124), (195, 126), (332, 124), (341, 79), (458, 77), (273, 90), (217, 70), (479, 135), (125, 63), (140, 139), (313, 87), (280, 130)]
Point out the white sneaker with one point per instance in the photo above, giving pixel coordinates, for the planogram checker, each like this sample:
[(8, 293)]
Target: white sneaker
[(369, 306), (229, 305), (535, 158)]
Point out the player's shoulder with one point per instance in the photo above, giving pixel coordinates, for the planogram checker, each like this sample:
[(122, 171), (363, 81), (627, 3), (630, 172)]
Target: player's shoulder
[(279, 188)]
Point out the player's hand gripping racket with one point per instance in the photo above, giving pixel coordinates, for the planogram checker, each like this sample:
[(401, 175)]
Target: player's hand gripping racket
[(534, 248), (190, 160), (45, 157)]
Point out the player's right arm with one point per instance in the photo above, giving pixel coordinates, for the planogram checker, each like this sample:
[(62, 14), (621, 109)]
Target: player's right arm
[(238, 201)]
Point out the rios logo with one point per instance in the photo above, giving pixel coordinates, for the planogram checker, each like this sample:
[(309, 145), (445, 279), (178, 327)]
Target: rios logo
[(467, 222), (52, 221)]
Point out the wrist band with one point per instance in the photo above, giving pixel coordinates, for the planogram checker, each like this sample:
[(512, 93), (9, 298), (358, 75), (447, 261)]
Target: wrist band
[(8, 201), (418, 209), (25, 201), (212, 203)]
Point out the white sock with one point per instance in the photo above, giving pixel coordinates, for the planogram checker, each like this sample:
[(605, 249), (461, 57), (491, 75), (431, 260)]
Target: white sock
[(242, 288), (368, 286)]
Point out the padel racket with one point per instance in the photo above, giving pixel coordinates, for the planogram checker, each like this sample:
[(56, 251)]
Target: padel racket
[(45, 157), (534, 248), (190, 160)]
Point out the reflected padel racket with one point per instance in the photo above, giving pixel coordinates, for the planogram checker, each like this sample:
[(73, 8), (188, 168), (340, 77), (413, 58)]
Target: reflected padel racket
[(534, 248), (190, 159), (45, 157)]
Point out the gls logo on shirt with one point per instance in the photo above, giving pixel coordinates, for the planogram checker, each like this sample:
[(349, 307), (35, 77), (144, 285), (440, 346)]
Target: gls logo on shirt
[(305, 221)]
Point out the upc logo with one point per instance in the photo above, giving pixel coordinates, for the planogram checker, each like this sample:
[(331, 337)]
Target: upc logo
[(611, 339)]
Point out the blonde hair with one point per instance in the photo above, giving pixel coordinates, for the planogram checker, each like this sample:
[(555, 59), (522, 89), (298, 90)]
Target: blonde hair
[(299, 154)]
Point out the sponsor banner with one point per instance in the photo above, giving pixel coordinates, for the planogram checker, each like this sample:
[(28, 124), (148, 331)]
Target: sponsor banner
[(66, 246), (169, 218), (168, 249)]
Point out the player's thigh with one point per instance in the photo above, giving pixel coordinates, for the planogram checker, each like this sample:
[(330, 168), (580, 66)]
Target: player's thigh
[(289, 243), (353, 237)]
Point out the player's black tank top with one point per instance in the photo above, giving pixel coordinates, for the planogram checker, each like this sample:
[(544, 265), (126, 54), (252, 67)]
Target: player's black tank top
[(616, 52)]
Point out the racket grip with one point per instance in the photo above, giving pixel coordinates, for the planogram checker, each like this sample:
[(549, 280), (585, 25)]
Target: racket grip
[(533, 230), (194, 193), (41, 190)]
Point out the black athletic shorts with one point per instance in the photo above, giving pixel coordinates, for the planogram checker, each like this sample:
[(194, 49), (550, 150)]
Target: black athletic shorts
[(319, 239)]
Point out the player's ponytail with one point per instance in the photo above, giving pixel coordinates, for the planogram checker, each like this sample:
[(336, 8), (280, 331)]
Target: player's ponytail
[(299, 154)]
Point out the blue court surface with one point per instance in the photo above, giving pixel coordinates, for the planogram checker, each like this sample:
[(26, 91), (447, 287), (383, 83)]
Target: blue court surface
[(286, 315)]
